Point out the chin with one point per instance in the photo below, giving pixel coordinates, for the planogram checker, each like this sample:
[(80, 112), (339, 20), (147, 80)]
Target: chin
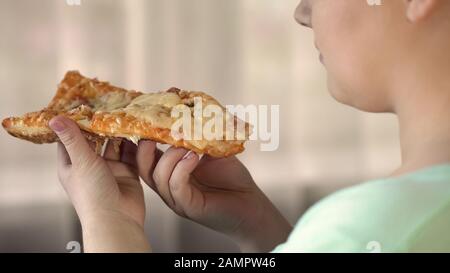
[(356, 99), (338, 93)]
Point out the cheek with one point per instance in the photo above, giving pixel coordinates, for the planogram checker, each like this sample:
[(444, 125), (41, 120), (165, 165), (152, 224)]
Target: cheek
[(346, 37)]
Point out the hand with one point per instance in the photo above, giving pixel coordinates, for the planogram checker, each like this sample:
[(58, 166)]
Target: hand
[(105, 191), (217, 193)]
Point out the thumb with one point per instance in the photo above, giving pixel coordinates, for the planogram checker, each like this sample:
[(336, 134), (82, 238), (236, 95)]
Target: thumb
[(73, 140)]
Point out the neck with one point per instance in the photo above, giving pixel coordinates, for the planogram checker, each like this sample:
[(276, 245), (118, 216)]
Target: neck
[(424, 121)]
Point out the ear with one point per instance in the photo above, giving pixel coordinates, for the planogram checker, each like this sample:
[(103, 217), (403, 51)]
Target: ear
[(419, 10)]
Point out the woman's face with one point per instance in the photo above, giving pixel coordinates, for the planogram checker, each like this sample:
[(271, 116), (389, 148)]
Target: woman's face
[(359, 45)]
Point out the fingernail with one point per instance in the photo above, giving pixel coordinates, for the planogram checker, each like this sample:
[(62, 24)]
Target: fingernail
[(57, 126), (189, 155)]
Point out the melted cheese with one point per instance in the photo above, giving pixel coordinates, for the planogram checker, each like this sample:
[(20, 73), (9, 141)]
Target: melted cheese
[(134, 139), (154, 108), (166, 99), (111, 101), (84, 123)]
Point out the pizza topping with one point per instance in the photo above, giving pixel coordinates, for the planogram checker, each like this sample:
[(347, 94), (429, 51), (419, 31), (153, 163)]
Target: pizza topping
[(111, 101), (167, 99), (154, 108), (134, 139), (84, 123)]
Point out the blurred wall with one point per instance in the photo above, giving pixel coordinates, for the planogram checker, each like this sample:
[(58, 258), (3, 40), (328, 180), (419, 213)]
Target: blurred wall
[(240, 51)]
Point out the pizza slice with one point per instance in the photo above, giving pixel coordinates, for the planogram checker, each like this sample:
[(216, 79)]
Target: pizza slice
[(106, 112)]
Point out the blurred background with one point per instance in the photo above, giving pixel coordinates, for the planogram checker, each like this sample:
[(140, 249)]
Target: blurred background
[(240, 51)]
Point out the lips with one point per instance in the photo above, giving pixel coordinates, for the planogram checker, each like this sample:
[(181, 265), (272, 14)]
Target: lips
[(320, 54)]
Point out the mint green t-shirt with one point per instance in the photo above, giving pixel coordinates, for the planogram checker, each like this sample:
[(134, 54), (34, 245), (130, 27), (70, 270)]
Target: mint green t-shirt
[(410, 213)]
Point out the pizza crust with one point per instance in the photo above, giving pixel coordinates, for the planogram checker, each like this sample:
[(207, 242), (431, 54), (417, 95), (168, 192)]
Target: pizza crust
[(105, 112)]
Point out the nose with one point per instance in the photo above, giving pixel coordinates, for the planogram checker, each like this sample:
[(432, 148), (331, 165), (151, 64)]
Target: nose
[(303, 13)]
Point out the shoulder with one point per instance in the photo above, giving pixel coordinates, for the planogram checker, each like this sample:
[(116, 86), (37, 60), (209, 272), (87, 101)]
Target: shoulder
[(388, 214)]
